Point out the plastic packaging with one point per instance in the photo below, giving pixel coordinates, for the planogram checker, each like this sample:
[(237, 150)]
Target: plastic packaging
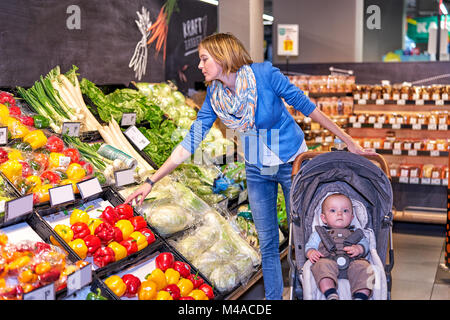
[(111, 153)]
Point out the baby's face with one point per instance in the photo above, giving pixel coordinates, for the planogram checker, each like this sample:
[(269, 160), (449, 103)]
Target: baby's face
[(337, 211)]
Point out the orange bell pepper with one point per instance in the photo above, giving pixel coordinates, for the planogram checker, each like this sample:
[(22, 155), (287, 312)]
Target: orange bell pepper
[(198, 294), (172, 276), (158, 277), (185, 286), (116, 284), (147, 290), (163, 295), (79, 247)]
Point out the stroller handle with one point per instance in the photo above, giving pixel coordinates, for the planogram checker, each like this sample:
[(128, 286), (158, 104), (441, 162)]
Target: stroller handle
[(311, 154)]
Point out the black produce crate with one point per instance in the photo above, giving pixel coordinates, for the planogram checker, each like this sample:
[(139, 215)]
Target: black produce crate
[(104, 290), (162, 247), (45, 231), (111, 195)]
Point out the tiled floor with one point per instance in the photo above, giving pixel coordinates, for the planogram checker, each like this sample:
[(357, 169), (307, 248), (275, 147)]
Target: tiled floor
[(418, 273)]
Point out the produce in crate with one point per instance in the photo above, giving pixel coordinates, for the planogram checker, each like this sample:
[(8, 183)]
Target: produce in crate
[(28, 265)]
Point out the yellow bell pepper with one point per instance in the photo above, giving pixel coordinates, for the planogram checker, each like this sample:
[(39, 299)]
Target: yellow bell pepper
[(185, 286), (53, 159), (15, 155), (126, 227), (18, 263), (172, 276), (42, 267), (158, 277), (11, 169), (64, 232), (198, 295), (147, 290), (4, 114), (93, 223), (116, 284), (35, 181), (74, 185), (42, 192), (27, 276), (75, 172), (78, 215), (16, 128), (163, 295), (36, 139), (120, 251), (80, 248), (141, 240)]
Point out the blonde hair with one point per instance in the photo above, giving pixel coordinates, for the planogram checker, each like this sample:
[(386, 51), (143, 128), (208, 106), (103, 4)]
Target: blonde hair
[(227, 50)]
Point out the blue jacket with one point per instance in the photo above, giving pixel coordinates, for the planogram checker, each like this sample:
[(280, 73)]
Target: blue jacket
[(275, 127)]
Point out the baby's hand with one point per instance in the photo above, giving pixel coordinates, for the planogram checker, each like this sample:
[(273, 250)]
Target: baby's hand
[(354, 250), (314, 255)]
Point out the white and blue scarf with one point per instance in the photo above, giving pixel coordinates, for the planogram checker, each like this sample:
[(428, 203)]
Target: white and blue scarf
[(236, 111)]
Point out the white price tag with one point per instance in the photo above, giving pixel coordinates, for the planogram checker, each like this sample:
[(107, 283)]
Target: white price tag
[(426, 96), (434, 153), (414, 180), (357, 125), (426, 181), (386, 96), (378, 125), (396, 126), (352, 119), (401, 102), (362, 101), (43, 293), (420, 102), (417, 126), (89, 187), (365, 96), (124, 177), (412, 153), (379, 102), (139, 140), (319, 139), (61, 194), (372, 119), (18, 207), (445, 182), (443, 127), (436, 182), (405, 96), (128, 119), (3, 135), (445, 96), (79, 279), (439, 102), (432, 126), (396, 152), (403, 180), (395, 96), (356, 96), (72, 129), (243, 196)]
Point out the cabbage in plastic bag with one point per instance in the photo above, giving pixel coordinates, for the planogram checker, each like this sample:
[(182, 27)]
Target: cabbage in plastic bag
[(168, 218), (224, 277)]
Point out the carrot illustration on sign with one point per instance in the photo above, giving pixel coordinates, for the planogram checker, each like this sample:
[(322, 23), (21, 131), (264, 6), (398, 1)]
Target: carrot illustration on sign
[(160, 28)]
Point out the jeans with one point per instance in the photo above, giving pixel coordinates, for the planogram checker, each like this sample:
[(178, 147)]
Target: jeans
[(262, 185)]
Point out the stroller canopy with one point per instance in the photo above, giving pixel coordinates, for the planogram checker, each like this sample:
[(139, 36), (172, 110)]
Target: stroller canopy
[(349, 174)]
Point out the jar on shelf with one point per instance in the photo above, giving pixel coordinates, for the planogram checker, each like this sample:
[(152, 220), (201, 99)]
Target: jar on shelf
[(401, 118), (307, 123), (362, 118), (430, 145), (378, 143), (376, 92), (408, 145), (416, 92), (398, 145), (415, 171), (413, 118), (443, 117), (436, 172), (405, 92), (349, 84), (404, 171), (445, 172), (367, 143), (442, 144), (418, 145), (392, 118), (422, 119), (308, 135), (433, 117), (426, 93), (381, 118), (426, 170), (347, 104), (388, 143), (387, 92), (396, 91), (394, 170), (365, 92), (436, 92), (446, 93)]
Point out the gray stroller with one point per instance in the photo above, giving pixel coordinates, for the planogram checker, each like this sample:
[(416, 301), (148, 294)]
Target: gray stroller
[(316, 175)]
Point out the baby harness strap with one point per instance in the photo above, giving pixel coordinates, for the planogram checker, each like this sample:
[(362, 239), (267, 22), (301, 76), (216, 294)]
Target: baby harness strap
[(335, 243)]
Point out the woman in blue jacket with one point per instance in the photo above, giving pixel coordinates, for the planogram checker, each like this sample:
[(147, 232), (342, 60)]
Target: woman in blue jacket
[(246, 96)]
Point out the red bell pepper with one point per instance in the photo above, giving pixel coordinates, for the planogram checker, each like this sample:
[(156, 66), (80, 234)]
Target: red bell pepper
[(164, 261), (138, 223), (130, 245), (73, 154), (109, 215), (196, 280), (207, 290), (186, 298), (26, 120), (50, 276), (50, 177), (133, 283), (118, 235), (105, 232), (55, 144), (26, 169), (86, 166), (104, 256), (93, 243), (80, 230), (149, 235), (14, 110), (3, 155), (40, 247), (183, 268), (125, 211), (174, 291)]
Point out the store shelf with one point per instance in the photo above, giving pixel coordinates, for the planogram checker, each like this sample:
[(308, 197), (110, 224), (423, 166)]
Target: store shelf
[(416, 127), (422, 181), (413, 153), (401, 102)]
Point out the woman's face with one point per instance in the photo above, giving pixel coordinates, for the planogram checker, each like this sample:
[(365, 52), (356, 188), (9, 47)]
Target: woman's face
[(209, 67)]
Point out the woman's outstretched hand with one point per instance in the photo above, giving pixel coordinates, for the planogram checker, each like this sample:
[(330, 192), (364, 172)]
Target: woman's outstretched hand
[(141, 192)]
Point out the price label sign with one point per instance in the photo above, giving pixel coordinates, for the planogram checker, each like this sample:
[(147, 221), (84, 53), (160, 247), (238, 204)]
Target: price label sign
[(436, 182), (396, 152), (3, 135), (128, 119), (61, 195), (416, 126), (124, 177), (357, 125), (396, 126), (243, 196), (18, 207), (79, 279), (138, 139), (89, 187), (443, 127), (432, 126), (403, 180), (72, 129), (420, 102), (401, 102), (379, 102), (414, 180), (426, 181), (439, 102), (362, 101), (434, 153), (412, 153), (378, 125), (43, 293)]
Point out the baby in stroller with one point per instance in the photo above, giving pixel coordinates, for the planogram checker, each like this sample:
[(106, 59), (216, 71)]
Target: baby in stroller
[(337, 249)]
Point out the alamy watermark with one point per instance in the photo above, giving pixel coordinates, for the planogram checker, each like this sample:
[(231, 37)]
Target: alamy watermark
[(73, 22)]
